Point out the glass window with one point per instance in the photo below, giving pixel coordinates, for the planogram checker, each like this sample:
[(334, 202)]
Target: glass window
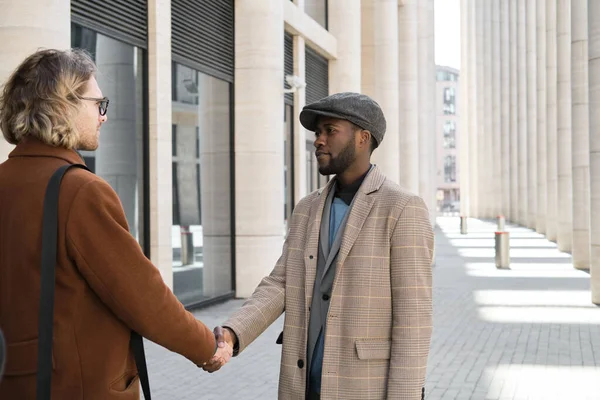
[(201, 233), (449, 101), (449, 135), (288, 162), (119, 158), (317, 10), (314, 180), (450, 169), (311, 172), (443, 75)]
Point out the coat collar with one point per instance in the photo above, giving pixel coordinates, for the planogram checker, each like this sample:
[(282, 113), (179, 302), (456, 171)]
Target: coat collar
[(32, 147)]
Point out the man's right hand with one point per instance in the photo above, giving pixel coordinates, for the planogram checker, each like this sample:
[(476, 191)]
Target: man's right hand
[(226, 340), (225, 335)]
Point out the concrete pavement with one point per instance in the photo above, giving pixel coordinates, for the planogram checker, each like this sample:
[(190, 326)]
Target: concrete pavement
[(530, 332)]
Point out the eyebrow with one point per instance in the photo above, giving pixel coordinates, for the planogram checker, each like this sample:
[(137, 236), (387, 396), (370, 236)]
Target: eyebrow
[(328, 125)]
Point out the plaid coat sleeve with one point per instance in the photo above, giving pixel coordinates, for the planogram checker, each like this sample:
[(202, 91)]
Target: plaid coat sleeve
[(410, 265), (265, 305), (268, 301)]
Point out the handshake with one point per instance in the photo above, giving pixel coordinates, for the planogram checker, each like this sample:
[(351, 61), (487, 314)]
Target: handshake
[(225, 343)]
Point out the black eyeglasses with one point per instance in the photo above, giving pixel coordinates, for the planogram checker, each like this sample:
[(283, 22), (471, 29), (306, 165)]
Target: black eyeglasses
[(102, 103)]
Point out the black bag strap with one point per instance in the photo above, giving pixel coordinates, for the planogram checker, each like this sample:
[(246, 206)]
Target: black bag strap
[(47, 283), (2, 354)]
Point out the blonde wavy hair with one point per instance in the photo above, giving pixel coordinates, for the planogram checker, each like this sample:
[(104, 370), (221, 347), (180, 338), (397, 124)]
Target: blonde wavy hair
[(41, 97)]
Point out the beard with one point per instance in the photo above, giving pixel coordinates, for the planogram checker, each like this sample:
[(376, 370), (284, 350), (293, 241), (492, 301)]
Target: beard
[(341, 162)]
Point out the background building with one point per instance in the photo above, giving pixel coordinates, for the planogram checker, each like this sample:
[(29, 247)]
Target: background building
[(203, 143), (448, 168)]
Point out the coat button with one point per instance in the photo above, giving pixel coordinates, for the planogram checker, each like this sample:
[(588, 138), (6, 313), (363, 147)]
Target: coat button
[(311, 257), (325, 297), (300, 364)]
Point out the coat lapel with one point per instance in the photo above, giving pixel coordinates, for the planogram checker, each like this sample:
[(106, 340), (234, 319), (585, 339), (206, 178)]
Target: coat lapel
[(363, 202), (312, 242), (324, 228)]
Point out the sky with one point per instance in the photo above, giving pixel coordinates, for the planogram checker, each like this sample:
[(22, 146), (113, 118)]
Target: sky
[(447, 33)]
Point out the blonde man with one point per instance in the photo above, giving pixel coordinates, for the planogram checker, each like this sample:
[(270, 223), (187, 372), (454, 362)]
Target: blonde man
[(105, 287)]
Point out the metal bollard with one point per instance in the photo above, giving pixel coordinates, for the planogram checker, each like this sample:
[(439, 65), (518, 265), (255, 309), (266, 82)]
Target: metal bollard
[(501, 221), (187, 246), (502, 250), (463, 225)]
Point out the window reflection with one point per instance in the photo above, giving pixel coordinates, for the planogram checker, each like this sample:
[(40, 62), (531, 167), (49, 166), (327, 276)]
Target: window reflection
[(314, 180), (288, 162), (447, 76), (201, 232), (317, 10), (449, 134), (450, 168), (449, 101), (119, 157)]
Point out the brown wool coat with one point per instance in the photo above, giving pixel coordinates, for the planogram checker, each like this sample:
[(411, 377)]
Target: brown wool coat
[(105, 286), (379, 323)]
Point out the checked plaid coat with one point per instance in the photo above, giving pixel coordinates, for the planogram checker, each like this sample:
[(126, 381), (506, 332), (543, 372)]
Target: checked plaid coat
[(380, 315)]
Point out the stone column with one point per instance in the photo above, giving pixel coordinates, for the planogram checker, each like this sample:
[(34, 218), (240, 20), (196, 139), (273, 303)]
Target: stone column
[(594, 86), (259, 151), (26, 27), (344, 25), (465, 109), (408, 89), (565, 167), (496, 158), (505, 107), (367, 43), (433, 143), (386, 83), (427, 118), (522, 108), (116, 157), (300, 134), (552, 120), (474, 109), (481, 109), (531, 188), (581, 134), (159, 146), (486, 163), (542, 189), (514, 126)]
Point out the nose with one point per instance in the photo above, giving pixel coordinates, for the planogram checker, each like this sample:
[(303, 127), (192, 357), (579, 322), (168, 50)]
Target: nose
[(103, 118), (319, 141)]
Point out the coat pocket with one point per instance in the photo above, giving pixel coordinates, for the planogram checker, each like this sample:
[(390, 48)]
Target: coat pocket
[(22, 358), (373, 349), (127, 382)]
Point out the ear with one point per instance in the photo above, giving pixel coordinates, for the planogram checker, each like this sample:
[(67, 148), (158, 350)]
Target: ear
[(365, 138)]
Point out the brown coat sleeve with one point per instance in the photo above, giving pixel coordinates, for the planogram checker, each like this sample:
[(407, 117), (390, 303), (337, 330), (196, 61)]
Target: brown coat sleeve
[(113, 264)]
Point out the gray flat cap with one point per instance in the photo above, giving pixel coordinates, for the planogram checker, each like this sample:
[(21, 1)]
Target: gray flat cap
[(357, 108)]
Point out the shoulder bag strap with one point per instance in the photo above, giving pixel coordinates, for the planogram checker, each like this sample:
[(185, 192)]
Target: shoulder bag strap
[(137, 345), (47, 282), (2, 354)]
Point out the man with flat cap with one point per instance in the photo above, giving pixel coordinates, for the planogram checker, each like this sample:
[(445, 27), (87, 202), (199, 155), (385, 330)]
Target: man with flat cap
[(354, 277)]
